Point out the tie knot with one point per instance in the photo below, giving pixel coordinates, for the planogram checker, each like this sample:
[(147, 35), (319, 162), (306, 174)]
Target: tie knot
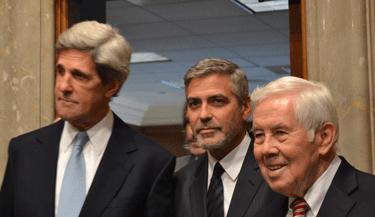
[(218, 170), (300, 207), (81, 139)]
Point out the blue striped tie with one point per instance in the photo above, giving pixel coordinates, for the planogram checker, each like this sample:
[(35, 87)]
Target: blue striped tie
[(73, 188), (215, 196)]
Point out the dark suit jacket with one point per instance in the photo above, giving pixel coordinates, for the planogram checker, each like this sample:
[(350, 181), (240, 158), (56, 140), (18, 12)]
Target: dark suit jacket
[(351, 194), (182, 161), (252, 196), (133, 177)]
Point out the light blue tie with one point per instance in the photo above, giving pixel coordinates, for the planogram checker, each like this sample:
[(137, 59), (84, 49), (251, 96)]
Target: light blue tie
[(73, 188)]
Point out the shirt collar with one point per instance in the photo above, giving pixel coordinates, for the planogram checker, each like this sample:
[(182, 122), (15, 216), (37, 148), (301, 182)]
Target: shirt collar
[(99, 134), (233, 161), (315, 195)]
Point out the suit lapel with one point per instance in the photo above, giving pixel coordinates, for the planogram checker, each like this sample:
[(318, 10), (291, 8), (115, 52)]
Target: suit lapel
[(113, 169), (337, 202), (43, 165), (198, 189), (248, 183)]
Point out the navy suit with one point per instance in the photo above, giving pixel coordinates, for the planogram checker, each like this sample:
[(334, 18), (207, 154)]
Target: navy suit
[(251, 197), (133, 177), (351, 194)]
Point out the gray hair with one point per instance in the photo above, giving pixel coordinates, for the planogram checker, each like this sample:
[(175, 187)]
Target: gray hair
[(210, 66), (109, 51), (314, 104)]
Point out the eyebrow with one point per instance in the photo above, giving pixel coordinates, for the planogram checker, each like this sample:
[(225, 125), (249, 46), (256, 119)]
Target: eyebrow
[(277, 127), (192, 98), (218, 96), (210, 97)]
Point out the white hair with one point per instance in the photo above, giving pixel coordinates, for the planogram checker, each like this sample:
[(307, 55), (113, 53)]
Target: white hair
[(314, 105), (109, 51)]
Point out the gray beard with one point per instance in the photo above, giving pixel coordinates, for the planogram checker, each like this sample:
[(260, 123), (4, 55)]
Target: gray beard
[(225, 139)]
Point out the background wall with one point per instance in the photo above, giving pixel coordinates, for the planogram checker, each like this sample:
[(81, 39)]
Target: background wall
[(341, 53), (26, 69)]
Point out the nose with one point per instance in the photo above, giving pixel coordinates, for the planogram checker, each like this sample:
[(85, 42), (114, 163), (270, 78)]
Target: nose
[(64, 83), (205, 113), (268, 147)]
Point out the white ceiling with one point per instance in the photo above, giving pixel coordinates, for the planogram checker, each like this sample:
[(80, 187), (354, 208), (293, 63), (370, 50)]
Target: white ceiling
[(187, 32)]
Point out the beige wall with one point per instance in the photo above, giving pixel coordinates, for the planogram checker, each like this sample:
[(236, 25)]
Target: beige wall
[(341, 53), (26, 69)]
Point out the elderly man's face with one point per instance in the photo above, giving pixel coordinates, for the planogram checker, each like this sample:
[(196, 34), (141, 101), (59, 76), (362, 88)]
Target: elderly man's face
[(214, 113), (80, 97), (289, 162)]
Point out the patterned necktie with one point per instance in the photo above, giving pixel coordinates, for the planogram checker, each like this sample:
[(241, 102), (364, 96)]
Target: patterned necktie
[(73, 188), (215, 196), (300, 207)]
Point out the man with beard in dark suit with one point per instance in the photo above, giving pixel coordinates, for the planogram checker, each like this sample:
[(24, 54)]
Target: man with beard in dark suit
[(226, 181)]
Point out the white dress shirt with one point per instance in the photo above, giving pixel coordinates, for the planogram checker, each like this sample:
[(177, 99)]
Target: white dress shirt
[(93, 150), (315, 195), (232, 164)]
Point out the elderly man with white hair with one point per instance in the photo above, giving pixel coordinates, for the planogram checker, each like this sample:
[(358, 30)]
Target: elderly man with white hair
[(295, 124)]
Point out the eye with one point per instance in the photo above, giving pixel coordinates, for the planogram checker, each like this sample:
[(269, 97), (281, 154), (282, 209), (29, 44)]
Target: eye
[(218, 102), (281, 135), (193, 104), (259, 137), (59, 70), (280, 132), (80, 76)]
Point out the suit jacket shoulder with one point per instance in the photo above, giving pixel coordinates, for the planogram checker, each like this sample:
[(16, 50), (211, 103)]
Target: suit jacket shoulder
[(183, 161), (34, 138), (351, 194)]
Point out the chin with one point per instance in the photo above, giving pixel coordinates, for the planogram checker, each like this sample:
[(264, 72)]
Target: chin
[(211, 146)]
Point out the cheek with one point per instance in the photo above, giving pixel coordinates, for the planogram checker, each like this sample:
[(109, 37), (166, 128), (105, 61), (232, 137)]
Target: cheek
[(257, 154), (193, 119)]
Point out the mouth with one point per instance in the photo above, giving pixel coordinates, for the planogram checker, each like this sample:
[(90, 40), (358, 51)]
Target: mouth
[(65, 100), (206, 130), (274, 167)]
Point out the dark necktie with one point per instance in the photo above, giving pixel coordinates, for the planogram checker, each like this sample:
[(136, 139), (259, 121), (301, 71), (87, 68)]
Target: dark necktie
[(300, 207), (215, 196)]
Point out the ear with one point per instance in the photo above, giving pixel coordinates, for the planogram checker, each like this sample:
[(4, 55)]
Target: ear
[(111, 88), (246, 108), (326, 135)]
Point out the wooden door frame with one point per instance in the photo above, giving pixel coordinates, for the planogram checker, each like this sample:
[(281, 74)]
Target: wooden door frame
[(297, 38), (61, 17)]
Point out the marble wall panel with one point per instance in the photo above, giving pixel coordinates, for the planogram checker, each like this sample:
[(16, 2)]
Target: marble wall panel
[(26, 68), (339, 54)]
